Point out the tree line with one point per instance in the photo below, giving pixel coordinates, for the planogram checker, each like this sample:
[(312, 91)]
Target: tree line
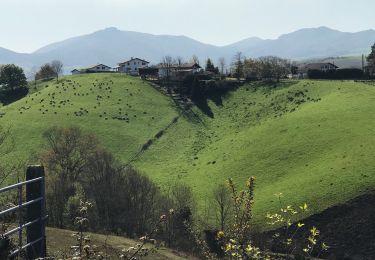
[(265, 68), (13, 78), (125, 201), (371, 62)]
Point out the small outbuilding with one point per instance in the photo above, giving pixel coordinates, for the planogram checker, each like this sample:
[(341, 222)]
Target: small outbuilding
[(75, 72), (92, 69)]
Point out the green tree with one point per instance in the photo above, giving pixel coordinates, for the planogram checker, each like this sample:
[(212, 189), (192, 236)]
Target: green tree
[(195, 91), (371, 61), (12, 77), (294, 69), (211, 67)]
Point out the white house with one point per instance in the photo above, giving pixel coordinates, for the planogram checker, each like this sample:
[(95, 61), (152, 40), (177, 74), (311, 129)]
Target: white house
[(95, 68), (132, 66)]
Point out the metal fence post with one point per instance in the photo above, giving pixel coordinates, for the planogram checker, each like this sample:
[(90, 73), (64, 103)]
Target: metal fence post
[(35, 211), (20, 218)]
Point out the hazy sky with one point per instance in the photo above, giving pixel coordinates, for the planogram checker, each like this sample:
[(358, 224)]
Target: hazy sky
[(26, 25)]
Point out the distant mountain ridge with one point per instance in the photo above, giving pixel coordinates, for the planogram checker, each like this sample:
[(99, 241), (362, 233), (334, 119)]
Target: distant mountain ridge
[(111, 45)]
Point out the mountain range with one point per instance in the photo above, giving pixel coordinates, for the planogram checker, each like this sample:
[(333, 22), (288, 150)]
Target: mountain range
[(110, 46)]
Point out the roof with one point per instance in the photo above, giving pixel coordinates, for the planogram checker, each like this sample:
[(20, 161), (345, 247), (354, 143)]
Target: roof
[(74, 70), (134, 59), (185, 66), (92, 67), (318, 66), (188, 65)]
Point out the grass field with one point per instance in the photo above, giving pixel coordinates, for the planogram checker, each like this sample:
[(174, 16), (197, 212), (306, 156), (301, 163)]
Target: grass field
[(313, 141), (59, 242), (321, 151), (122, 111)]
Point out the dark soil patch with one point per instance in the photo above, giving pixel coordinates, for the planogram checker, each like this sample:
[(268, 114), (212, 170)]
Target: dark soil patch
[(349, 229)]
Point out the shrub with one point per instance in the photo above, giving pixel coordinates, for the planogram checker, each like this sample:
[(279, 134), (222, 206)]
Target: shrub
[(147, 145), (237, 242), (159, 134)]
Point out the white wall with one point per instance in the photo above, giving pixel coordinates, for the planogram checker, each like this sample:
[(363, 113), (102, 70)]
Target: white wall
[(133, 66)]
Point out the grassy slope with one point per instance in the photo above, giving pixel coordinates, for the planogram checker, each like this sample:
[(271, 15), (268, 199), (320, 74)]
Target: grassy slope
[(59, 242), (29, 117), (321, 151)]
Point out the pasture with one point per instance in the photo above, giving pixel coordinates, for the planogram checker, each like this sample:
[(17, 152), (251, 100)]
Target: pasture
[(313, 141)]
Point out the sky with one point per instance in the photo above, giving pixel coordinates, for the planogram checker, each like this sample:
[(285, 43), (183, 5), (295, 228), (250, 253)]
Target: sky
[(27, 25)]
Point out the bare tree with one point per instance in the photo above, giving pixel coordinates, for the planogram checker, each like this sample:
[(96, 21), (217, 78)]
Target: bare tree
[(57, 67), (222, 65), (66, 157), (273, 68), (223, 205), (251, 68), (238, 64), (34, 74), (179, 60), (182, 196), (167, 64), (194, 59)]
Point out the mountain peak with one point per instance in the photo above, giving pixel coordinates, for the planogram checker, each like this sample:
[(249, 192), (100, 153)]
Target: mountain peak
[(107, 30), (325, 28), (111, 29)]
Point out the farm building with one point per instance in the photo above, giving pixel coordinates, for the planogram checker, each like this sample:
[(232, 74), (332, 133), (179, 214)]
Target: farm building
[(75, 71), (303, 70), (91, 69), (179, 71), (132, 66)]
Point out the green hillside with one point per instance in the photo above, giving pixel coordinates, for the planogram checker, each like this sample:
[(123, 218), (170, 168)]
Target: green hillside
[(311, 140), (122, 111)]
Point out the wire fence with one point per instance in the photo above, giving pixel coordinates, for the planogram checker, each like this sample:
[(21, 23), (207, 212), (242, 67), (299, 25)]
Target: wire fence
[(31, 215)]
